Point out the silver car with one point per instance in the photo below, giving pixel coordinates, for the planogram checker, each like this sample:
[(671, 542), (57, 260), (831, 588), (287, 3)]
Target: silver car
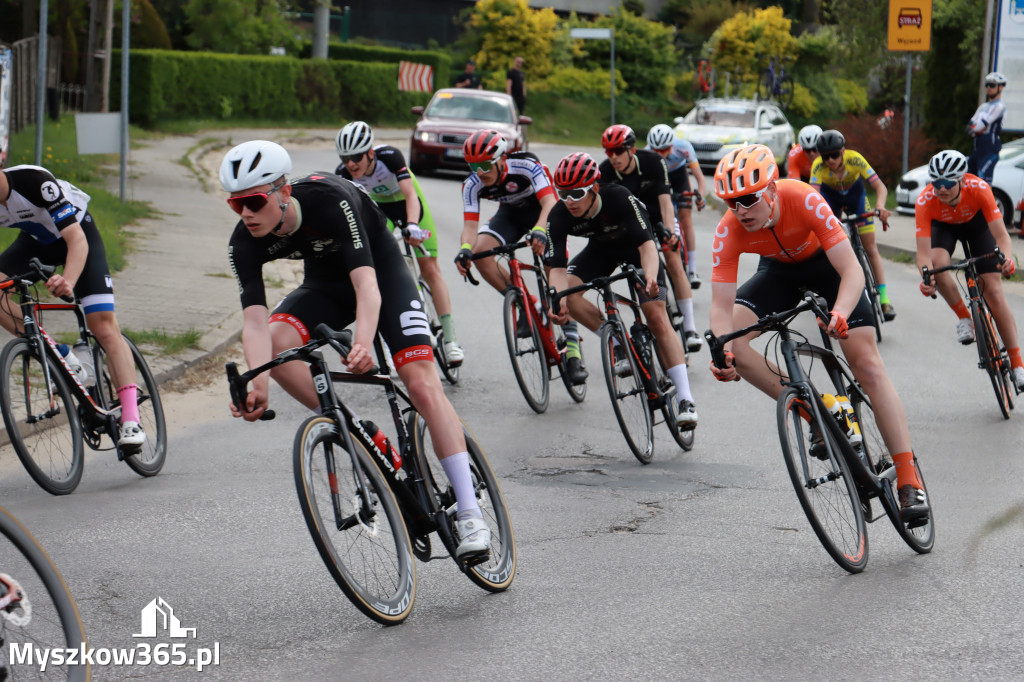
[(717, 126)]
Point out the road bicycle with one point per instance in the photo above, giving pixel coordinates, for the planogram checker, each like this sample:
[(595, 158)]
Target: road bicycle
[(775, 83), (675, 315), (836, 477), (992, 355), (48, 412), (704, 79), (535, 355), (449, 371), (870, 282), (645, 388), (37, 612), (362, 498)]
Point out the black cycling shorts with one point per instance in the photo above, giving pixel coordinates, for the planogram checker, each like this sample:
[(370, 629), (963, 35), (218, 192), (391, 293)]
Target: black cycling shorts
[(94, 287), (778, 286), (509, 225), (679, 180), (402, 322), (596, 260), (975, 236)]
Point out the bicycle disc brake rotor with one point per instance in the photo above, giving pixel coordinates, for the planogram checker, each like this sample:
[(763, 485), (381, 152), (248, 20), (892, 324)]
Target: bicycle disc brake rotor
[(15, 606), (357, 504)]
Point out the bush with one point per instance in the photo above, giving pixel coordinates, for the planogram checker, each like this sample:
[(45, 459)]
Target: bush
[(883, 146), (569, 81)]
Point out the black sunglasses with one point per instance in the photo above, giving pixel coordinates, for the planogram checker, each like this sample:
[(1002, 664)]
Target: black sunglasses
[(831, 155), (353, 158)]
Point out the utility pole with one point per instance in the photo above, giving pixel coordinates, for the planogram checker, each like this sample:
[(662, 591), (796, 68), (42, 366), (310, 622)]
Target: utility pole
[(321, 28), (97, 69)]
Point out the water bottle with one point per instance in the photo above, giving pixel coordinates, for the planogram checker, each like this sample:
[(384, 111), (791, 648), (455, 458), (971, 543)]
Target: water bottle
[(83, 352), (853, 427), (73, 362), (383, 444)]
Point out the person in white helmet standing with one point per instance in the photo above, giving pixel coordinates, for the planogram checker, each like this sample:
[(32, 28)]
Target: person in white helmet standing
[(985, 126)]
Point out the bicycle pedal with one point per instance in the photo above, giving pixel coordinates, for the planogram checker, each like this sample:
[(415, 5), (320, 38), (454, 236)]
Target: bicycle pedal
[(471, 561), (421, 547), (126, 451)]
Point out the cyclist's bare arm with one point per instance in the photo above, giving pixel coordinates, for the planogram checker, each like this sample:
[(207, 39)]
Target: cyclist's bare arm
[(649, 262), (698, 174), (364, 281), (998, 229), (723, 298), (469, 232), (258, 349), (78, 251), (412, 202), (851, 284), (547, 202), (881, 195)]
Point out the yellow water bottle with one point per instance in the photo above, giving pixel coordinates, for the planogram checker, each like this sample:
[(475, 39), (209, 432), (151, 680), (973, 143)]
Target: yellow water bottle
[(853, 427)]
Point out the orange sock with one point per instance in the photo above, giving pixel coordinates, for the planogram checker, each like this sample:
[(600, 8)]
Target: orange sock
[(961, 310), (906, 472), (1015, 359)]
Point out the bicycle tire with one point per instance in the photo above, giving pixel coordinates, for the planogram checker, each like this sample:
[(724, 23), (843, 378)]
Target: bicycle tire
[(450, 373), (495, 574), (578, 392), (827, 492), (919, 536), (529, 363), (670, 410), (629, 399), (150, 459), (766, 85), (44, 616), (785, 91), (871, 289), (990, 355), (370, 560), (49, 444)]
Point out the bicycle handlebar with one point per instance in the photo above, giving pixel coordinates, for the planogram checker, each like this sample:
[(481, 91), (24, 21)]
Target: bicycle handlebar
[(500, 250), (851, 219), (811, 301), (928, 274), (38, 272), (628, 271)]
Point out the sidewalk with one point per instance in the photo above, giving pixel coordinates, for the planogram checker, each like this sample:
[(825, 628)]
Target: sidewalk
[(178, 277)]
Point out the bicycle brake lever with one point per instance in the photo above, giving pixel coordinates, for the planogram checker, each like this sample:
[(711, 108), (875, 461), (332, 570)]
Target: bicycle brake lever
[(717, 351), (469, 278), (239, 392)]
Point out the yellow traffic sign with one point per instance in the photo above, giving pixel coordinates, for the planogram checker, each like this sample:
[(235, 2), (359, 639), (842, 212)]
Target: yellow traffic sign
[(910, 25)]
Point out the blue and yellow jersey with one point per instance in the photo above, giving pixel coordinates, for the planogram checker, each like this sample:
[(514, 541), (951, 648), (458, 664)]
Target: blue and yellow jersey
[(853, 169)]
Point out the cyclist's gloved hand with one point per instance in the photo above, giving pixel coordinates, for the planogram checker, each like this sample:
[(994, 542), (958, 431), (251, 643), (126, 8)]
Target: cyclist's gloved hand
[(464, 259), (416, 234), (927, 289), (838, 327), (727, 373), (700, 202), (538, 238), (1009, 267)]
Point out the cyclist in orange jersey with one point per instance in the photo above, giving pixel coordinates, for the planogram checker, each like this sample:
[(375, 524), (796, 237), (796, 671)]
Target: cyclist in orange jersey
[(801, 157), (802, 245), (958, 206)]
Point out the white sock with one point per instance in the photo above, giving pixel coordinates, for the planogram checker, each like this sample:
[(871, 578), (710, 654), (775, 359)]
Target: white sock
[(686, 307), (679, 377), (456, 468), (691, 261)]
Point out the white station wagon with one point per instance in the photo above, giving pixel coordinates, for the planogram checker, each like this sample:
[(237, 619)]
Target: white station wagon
[(716, 126)]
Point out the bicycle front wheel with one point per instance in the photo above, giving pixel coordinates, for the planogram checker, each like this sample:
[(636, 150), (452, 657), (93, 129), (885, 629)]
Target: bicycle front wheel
[(355, 522), (823, 485), (629, 399), (449, 372), (991, 357), (41, 418), (495, 574), (40, 612), (766, 85), (786, 91), (150, 459), (529, 363)]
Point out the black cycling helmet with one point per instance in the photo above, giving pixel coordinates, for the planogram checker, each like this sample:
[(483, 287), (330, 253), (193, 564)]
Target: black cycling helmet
[(831, 141)]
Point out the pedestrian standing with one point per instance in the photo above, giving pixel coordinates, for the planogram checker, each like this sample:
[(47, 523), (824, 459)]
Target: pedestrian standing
[(468, 78), (985, 126), (515, 84)]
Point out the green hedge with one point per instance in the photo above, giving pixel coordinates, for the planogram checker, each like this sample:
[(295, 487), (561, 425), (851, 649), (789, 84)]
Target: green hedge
[(169, 84), (441, 62)]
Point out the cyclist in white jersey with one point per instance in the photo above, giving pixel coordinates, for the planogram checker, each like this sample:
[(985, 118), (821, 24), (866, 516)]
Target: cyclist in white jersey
[(381, 170)]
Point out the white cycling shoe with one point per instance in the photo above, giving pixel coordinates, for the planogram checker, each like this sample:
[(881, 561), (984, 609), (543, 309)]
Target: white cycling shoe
[(454, 353), (132, 437), (474, 538)]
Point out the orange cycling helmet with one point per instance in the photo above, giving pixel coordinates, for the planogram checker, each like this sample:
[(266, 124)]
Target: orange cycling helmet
[(745, 171), (576, 170), (484, 145), (617, 136)]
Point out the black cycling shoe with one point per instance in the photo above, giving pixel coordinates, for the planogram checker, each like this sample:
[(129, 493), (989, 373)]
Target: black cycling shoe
[(576, 372), (523, 330), (914, 508), (888, 312), (817, 448)]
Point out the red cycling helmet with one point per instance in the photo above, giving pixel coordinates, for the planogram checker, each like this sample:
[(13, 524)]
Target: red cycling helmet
[(617, 136), (484, 145), (575, 171)]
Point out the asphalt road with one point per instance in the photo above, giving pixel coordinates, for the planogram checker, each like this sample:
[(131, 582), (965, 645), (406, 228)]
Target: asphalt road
[(698, 566)]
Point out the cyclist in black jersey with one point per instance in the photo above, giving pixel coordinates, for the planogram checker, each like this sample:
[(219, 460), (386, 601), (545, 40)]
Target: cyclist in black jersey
[(353, 271), (619, 231), (520, 183), (644, 173), (56, 227), (382, 172)]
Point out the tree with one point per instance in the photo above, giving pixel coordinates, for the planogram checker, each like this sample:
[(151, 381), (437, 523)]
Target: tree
[(748, 40), (239, 26), (511, 29), (643, 52)]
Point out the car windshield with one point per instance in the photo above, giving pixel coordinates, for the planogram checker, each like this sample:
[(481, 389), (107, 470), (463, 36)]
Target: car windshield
[(478, 108), (738, 117)]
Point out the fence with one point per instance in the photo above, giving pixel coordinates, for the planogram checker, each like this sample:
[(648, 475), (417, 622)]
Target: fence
[(26, 69)]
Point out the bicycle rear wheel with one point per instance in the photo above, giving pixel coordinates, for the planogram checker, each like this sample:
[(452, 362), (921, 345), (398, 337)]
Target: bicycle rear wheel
[(41, 419), (629, 399), (785, 92), (825, 488), (766, 85), (449, 372), (355, 522), (670, 410), (529, 363), (990, 356), (496, 573), (40, 612)]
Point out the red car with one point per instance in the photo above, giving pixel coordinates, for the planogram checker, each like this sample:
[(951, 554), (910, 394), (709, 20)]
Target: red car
[(452, 115)]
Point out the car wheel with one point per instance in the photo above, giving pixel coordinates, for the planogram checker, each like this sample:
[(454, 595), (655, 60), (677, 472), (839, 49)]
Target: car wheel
[(1005, 207)]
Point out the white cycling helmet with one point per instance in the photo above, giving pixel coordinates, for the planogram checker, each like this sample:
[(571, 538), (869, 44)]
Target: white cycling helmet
[(354, 138), (995, 78), (948, 164), (253, 163), (660, 137), (808, 137)]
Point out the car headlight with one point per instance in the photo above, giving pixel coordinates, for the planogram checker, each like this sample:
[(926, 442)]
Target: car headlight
[(424, 136)]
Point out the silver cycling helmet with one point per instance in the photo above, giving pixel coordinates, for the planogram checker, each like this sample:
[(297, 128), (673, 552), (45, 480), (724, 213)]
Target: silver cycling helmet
[(253, 163), (995, 78), (660, 137), (354, 138), (808, 137), (948, 164)]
